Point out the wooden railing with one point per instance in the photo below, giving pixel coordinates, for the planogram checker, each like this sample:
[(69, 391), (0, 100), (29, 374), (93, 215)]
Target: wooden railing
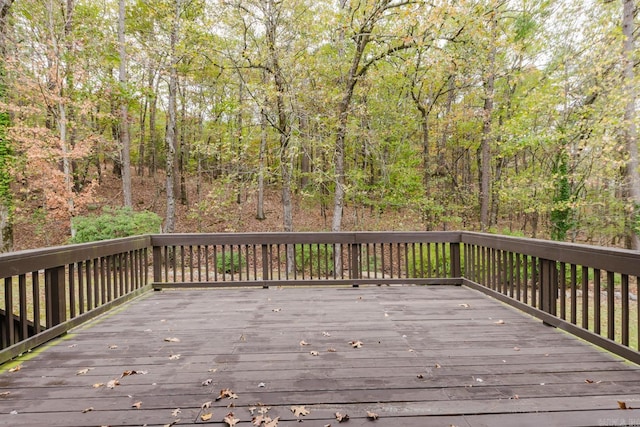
[(293, 259), (588, 291), (49, 291), (582, 289)]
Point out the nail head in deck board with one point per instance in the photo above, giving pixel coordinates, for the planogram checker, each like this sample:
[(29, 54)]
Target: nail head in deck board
[(451, 348)]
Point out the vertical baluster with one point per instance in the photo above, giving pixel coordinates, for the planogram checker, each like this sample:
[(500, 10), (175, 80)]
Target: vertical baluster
[(610, 305), (8, 337), (72, 291), (35, 294), (22, 297), (597, 303), (625, 309)]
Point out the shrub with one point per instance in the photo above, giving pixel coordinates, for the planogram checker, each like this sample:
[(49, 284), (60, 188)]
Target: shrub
[(307, 256), (114, 223), (230, 262)]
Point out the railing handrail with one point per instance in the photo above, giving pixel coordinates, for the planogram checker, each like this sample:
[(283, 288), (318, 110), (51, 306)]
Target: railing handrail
[(624, 261), (26, 261)]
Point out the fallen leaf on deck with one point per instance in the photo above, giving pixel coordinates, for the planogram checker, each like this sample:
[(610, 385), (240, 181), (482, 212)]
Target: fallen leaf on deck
[(72, 345), (15, 368), (331, 350), (206, 405), (83, 371), (207, 416), (272, 423), (128, 373), (326, 334), (5, 393), (303, 343), (207, 382), (499, 322), (172, 339), (172, 423), (89, 409), (372, 415), (213, 370), (588, 381), (516, 348), (356, 344), (420, 376), (113, 347), (175, 412), (137, 405), (299, 411), (113, 383), (242, 337), (174, 357), (261, 385), (98, 385), (258, 420), (623, 405), (276, 310), (263, 409), (226, 392), (231, 420), (438, 366), (314, 353), (342, 417), (465, 305)]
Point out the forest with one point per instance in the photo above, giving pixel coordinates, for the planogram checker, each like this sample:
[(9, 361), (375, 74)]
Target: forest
[(506, 116)]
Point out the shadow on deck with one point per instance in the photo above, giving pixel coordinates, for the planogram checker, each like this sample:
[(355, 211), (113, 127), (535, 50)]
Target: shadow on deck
[(430, 355)]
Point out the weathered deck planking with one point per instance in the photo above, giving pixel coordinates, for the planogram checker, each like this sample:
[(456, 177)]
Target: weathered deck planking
[(430, 356)]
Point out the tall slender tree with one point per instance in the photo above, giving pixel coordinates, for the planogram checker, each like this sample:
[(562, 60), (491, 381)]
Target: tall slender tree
[(125, 141), (6, 197)]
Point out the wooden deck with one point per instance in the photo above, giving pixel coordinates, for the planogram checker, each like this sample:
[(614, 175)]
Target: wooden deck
[(438, 356)]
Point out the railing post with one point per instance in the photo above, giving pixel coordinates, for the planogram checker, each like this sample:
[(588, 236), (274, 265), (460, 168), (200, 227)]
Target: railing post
[(157, 264), (265, 265), (454, 260), (548, 285), (355, 270), (54, 283)]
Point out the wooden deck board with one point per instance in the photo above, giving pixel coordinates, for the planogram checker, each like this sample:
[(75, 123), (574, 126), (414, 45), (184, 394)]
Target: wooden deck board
[(426, 359)]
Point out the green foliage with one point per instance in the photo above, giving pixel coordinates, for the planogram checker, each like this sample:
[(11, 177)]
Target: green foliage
[(114, 223), (561, 212), (230, 262), (434, 261), (317, 257)]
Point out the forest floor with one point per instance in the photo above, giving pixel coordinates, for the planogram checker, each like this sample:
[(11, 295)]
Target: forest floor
[(211, 207)]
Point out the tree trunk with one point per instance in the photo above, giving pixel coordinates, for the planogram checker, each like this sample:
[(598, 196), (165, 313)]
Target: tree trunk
[(124, 111), (6, 197), (485, 146), (630, 131), (170, 137), (263, 148)]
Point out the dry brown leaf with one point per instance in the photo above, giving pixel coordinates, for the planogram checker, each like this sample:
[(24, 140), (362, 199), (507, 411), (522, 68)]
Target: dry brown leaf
[(326, 334), (226, 392), (243, 338), (127, 373), (342, 417), (98, 385), (231, 420), (258, 420), (272, 423), (438, 366), (83, 371), (263, 409), (174, 357), (372, 415), (89, 409), (299, 411), (465, 305), (172, 339), (112, 347), (206, 405), (212, 370), (303, 343), (356, 344), (207, 416), (623, 405), (137, 405), (516, 348), (207, 382), (499, 322), (314, 353), (332, 350), (15, 368), (588, 381), (276, 310), (175, 412), (172, 423), (113, 383), (420, 376), (5, 393)]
